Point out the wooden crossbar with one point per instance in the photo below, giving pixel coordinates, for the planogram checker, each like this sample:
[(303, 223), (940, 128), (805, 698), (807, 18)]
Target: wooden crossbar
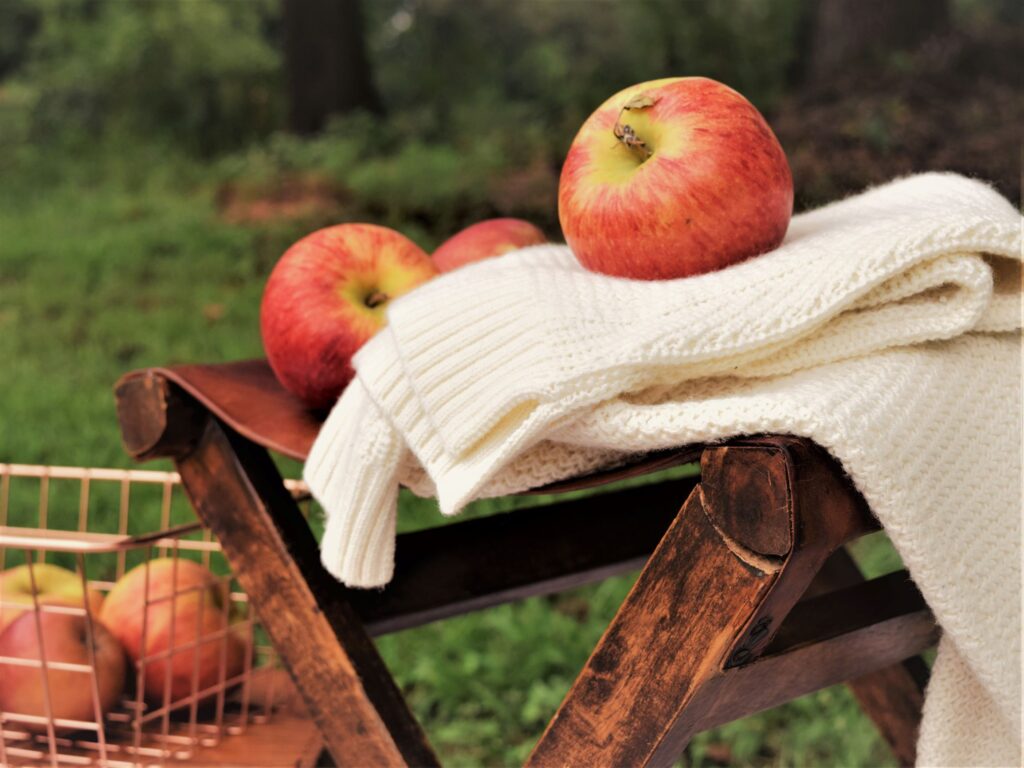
[(466, 566)]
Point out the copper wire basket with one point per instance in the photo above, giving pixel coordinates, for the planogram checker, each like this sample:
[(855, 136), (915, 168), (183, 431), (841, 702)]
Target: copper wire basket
[(191, 679)]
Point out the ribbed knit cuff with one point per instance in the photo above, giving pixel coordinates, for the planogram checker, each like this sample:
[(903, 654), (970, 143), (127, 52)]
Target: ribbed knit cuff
[(474, 342), (458, 477), (352, 471)]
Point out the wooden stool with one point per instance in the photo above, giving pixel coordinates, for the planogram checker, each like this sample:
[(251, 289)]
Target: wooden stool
[(746, 599)]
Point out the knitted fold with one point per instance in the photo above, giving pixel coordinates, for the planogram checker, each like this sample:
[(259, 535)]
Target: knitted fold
[(886, 328), (361, 476)]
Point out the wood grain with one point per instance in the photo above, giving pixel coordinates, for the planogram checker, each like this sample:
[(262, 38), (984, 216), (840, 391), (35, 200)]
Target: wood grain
[(466, 566), (745, 487), (247, 397), (807, 500), (237, 491), (766, 516), (824, 644), (673, 632), (155, 421), (893, 697)]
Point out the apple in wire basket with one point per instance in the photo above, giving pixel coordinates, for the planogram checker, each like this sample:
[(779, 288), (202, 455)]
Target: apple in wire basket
[(53, 586), (173, 618), (68, 693)]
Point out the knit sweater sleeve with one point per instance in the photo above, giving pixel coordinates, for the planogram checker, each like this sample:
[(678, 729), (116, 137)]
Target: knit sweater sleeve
[(352, 469)]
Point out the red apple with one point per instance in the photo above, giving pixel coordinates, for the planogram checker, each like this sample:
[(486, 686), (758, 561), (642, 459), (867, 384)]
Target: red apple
[(53, 586), (178, 626), (190, 660), (485, 239), (327, 296), (63, 639), (672, 178)]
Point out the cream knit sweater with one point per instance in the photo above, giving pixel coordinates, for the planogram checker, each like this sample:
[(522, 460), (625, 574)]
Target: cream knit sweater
[(886, 328)]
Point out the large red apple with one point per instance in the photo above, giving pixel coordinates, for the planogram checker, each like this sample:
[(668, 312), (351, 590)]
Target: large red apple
[(174, 619), (327, 296), (53, 586), (485, 239), (189, 661), (671, 178), (59, 638)]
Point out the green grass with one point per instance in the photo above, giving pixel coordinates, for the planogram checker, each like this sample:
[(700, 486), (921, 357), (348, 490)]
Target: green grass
[(119, 262)]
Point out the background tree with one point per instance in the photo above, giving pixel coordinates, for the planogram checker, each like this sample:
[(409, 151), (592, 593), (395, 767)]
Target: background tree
[(845, 31), (327, 69)]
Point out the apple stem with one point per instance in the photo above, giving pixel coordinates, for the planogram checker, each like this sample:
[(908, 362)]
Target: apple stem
[(625, 133), (376, 298), (627, 136)]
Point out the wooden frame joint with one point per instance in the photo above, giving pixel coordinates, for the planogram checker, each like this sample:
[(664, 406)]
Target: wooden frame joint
[(157, 419)]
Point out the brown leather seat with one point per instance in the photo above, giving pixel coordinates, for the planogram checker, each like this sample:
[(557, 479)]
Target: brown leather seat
[(246, 396)]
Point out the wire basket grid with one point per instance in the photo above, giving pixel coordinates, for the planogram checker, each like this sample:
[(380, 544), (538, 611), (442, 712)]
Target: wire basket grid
[(108, 567)]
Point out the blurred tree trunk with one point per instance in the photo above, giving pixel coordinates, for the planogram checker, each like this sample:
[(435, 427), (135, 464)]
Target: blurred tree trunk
[(841, 32), (327, 68)]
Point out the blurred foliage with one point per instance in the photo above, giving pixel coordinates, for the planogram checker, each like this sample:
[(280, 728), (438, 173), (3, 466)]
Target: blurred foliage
[(482, 99), (554, 62), (210, 71), (203, 72), (955, 104)]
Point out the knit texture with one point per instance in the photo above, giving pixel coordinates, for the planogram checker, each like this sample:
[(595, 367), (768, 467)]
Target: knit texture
[(886, 328)]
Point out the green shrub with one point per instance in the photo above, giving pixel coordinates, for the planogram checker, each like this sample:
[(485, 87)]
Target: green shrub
[(423, 180), (200, 72)]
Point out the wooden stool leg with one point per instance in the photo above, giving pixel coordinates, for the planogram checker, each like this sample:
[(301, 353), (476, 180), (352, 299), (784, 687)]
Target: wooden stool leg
[(239, 494), (892, 697), (675, 629), (741, 552)]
